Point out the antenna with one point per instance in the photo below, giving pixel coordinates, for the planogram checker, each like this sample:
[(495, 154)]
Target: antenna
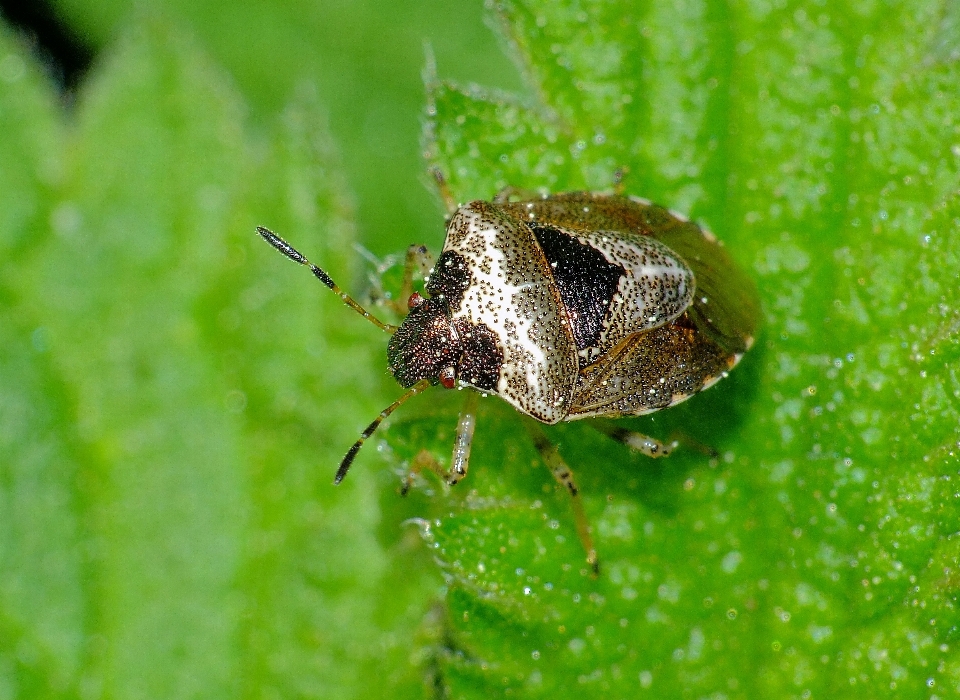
[(352, 452), (295, 255)]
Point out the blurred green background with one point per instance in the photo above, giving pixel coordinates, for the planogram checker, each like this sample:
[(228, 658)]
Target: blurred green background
[(364, 60), (174, 396), (132, 549)]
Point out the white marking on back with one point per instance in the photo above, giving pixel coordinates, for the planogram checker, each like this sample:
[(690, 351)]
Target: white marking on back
[(658, 286), (513, 296)]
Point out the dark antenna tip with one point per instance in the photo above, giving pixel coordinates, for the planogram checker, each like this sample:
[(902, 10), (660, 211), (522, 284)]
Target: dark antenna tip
[(352, 452), (298, 257), (347, 461), (268, 235), (281, 245)]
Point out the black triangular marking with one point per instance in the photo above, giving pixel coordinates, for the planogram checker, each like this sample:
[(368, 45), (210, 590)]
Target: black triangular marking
[(585, 279)]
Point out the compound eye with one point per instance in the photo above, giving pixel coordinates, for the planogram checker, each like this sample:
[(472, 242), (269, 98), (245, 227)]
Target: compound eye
[(448, 377), (415, 301)]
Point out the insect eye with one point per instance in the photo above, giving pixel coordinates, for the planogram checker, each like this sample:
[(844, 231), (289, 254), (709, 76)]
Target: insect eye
[(415, 301), (448, 377)]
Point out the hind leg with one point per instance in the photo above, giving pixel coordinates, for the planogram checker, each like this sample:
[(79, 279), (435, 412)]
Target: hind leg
[(649, 446)]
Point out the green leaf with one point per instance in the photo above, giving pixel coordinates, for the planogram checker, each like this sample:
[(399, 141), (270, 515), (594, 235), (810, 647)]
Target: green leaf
[(41, 569), (818, 552), (175, 395)]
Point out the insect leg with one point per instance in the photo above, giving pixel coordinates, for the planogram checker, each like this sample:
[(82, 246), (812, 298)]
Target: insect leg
[(618, 175), (417, 262), (449, 201), (511, 192), (420, 261), (460, 461), (564, 476), (649, 446), (461, 446), (423, 460)]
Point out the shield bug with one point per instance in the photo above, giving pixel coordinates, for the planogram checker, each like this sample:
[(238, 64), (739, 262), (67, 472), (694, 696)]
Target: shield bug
[(567, 306)]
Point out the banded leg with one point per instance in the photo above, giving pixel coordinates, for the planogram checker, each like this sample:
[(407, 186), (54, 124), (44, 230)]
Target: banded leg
[(460, 461), (564, 476), (649, 446)]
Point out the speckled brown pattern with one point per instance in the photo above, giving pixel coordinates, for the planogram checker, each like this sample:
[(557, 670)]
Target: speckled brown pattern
[(578, 305), (513, 296)]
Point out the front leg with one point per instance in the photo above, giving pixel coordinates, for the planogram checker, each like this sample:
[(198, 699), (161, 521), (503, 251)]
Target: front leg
[(417, 263), (460, 461)]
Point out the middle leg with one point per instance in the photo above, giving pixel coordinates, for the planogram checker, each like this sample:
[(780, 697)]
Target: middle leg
[(564, 476)]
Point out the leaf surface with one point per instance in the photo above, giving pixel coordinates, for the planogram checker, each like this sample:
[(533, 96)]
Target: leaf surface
[(818, 551)]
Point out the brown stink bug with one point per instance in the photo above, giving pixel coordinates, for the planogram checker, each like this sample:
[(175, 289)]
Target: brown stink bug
[(567, 306)]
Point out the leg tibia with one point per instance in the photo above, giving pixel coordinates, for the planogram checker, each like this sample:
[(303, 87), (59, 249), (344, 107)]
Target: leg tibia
[(564, 476), (649, 446), (460, 461)]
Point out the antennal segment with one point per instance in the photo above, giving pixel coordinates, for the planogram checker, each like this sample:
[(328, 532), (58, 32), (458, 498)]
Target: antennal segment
[(348, 460), (298, 257)]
